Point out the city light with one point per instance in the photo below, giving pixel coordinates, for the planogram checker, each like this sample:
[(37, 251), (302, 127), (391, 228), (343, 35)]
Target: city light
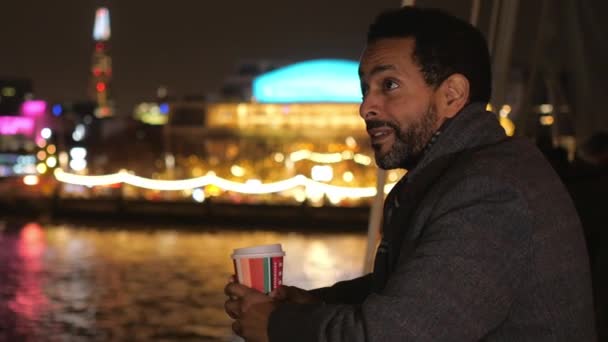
[(325, 158), (46, 133), (63, 159), (198, 195), (101, 30), (328, 158), (362, 159), (547, 120), (322, 173), (546, 108), (237, 171), (51, 149), (40, 142), (393, 176), (78, 164), (348, 176), (33, 108), (103, 111), (299, 195), (279, 157), (41, 168), (79, 132), (505, 111), (12, 125), (9, 91), (252, 187), (78, 153), (100, 86), (164, 108), (31, 180), (51, 162), (152, 114), (351, 142), (508, 125), (57, 110)]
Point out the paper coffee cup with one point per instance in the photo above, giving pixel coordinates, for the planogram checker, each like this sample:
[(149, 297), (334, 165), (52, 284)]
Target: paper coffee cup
[(259, 267)]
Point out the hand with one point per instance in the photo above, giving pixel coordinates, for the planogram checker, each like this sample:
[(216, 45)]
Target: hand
[(253, 324), (250, 309), (294, 295)]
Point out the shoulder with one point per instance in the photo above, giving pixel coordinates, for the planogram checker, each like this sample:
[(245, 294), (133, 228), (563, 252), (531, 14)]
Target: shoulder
[(510, 163), (494, 177)]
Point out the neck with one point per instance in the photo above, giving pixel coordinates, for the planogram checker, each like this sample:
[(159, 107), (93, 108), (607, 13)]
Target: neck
[(411, 163)]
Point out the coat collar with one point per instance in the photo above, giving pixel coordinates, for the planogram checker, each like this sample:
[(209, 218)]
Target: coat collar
[(472, 127)]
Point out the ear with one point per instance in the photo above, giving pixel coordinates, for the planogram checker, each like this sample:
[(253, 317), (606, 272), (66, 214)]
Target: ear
[(453, 95)]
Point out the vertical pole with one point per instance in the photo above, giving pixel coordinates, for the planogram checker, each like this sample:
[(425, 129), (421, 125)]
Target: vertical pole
[(493, 25), (526, 125), (475, 6), (375, 221), (502, 52)]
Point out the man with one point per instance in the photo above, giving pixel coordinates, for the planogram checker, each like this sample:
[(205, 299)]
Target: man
[(480, 240)]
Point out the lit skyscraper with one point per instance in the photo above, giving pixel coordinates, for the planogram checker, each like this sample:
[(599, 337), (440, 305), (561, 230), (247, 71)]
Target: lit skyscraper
[(101, 68)]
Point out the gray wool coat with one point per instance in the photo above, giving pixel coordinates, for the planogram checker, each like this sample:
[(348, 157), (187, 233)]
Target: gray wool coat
[(481, 242)]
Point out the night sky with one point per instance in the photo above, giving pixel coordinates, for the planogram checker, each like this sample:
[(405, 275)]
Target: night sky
[(188, 46)]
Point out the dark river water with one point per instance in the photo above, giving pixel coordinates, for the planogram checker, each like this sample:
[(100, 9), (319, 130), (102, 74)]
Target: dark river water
[(85, 283)]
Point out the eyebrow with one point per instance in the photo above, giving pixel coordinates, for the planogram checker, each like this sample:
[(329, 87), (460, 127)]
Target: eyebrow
[(378, 69)]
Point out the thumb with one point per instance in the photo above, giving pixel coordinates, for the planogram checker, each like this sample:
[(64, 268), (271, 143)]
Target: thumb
[(237, 290)]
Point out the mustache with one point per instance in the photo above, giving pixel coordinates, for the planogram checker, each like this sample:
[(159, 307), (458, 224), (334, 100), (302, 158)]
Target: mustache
[(371, 124)]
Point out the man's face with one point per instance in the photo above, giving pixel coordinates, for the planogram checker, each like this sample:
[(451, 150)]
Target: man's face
[(398, 106)]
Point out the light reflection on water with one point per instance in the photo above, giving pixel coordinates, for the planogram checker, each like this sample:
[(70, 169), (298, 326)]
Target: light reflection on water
[(72, 283)]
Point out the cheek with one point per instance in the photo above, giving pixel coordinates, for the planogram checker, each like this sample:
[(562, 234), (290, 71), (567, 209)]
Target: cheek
[(401, 115), (405, 111)]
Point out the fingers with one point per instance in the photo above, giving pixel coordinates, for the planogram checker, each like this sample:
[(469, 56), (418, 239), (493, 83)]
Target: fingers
[(293, 294), (237, 290), (240, 299), (237, 328), (233, 308)]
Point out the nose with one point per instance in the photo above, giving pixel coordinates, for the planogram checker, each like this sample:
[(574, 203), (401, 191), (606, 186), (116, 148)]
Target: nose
[(368, 108)]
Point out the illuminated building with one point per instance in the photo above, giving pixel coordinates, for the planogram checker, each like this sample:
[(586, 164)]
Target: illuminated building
[(101, 66), (298, 140), (23, 139), (302, 120), (316, 81), (152, 113)]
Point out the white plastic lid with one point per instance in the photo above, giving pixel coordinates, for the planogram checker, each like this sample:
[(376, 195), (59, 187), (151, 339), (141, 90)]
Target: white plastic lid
[(258, 251)]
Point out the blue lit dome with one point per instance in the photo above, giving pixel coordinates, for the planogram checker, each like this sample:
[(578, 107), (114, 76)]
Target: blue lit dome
[(322, 80)]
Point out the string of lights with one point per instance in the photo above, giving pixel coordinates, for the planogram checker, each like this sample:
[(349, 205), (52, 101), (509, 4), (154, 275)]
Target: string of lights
[(253, 187), (330, 158)]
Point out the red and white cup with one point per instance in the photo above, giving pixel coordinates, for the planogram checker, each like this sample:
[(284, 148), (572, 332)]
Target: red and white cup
[(259, 267)]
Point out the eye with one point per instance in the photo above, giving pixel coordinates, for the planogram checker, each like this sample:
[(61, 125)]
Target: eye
[(389, 84)]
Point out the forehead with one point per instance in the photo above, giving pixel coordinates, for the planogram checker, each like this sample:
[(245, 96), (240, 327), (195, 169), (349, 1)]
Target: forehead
[(395, 52)]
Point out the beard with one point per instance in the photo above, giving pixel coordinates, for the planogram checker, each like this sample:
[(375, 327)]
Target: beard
[(409, 142)]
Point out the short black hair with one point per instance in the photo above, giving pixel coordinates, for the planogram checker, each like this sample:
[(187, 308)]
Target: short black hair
[(444, 45)]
